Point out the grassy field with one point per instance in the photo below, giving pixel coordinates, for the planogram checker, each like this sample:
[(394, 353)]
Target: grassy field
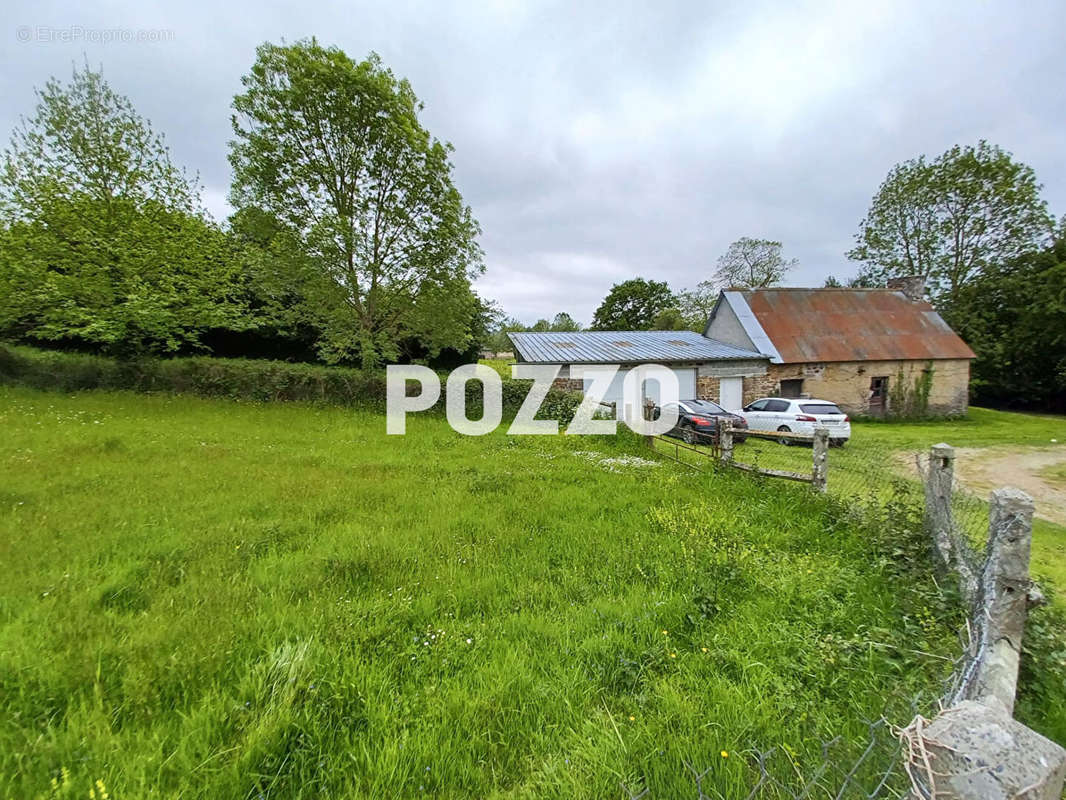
[(224, 600)]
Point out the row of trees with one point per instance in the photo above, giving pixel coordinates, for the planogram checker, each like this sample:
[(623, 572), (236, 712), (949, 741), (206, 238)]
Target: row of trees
[(350, 243)]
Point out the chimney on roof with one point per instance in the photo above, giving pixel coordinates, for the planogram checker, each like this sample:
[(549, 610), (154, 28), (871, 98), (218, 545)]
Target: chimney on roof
[(912, 286)]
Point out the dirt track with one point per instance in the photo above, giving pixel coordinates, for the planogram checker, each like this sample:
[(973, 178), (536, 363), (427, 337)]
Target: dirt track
[(985, 468)]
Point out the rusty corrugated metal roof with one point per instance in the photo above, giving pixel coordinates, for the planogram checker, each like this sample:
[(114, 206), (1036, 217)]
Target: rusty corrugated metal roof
[(852, 325)]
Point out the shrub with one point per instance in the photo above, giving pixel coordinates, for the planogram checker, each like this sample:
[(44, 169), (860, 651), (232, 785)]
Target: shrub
[(239, 379)]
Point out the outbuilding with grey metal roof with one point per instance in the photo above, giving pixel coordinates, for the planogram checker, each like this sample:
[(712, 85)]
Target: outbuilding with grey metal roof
[(705, 368)]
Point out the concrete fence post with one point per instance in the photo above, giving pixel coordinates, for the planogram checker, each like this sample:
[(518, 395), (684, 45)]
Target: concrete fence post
[(820, 466), (725, 440), (977, 752), (939, 484), (975, 749), (1003, 596)]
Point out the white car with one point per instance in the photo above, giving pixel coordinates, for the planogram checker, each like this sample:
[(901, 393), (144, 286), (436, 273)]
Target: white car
[(792, 415)]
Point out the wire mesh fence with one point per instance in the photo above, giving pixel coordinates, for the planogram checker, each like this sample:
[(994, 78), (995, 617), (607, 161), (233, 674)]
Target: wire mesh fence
[(861, 472), (861, 769), (884, 760), (865, 468)]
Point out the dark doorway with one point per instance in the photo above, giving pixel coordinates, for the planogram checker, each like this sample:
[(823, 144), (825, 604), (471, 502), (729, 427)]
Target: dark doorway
[(878, 396), (792, 387)]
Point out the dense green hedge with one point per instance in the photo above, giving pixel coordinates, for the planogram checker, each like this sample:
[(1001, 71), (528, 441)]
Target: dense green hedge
[(238, 379)]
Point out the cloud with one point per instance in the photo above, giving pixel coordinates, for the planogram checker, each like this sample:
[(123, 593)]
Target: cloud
[(597, 142)]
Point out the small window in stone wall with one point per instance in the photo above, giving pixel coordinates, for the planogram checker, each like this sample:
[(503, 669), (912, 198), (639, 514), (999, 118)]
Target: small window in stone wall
[(792, 387)]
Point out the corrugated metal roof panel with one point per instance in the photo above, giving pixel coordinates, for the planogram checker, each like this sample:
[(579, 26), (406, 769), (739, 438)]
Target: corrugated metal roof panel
[(852, 325), (624, 347)]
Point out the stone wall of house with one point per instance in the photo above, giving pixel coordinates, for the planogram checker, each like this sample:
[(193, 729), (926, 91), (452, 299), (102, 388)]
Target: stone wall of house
[(848, 383), (707, 388), (568, 384), (755, 386)]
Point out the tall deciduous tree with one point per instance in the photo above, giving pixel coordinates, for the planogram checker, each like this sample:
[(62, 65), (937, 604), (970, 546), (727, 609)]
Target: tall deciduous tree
[(334, 148), (753, 264), (105, 240), (696, 305), (633, 305), (950, 218)]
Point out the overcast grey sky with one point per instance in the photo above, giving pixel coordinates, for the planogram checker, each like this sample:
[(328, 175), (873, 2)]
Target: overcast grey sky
[(601, 141)]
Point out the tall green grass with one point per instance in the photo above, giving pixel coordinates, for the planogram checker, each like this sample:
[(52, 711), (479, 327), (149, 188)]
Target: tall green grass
[(210, 599), (879, 462)]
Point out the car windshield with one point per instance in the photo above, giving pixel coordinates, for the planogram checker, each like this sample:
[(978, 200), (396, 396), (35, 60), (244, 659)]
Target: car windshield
[(819, 408), (704, 407)]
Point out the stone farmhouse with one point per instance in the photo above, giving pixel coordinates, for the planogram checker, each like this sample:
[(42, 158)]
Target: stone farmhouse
[(871, 351)]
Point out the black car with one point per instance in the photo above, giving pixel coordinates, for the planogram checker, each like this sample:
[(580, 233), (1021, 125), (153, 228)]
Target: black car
[(697, 421)]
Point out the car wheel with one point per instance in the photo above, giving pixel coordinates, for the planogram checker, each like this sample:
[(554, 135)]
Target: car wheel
[(688, 435), (785, 429)]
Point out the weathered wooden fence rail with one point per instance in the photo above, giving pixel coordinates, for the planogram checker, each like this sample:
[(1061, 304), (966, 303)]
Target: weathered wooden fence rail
[(720, 442), (819, 441)]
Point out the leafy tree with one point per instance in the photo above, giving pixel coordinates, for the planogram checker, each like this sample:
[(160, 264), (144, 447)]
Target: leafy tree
[(480, 316), (505, 325), (950, 218), (669, 319), (633, 305), (565, 323), (487, 313), (1013, 315), (861, 281), (696, 305), (275, 273), (752, 264), (105, 241), (334, 149)]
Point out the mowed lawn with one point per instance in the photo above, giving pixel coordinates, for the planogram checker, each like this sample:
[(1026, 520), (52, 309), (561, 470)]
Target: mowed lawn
[(223, 600)]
